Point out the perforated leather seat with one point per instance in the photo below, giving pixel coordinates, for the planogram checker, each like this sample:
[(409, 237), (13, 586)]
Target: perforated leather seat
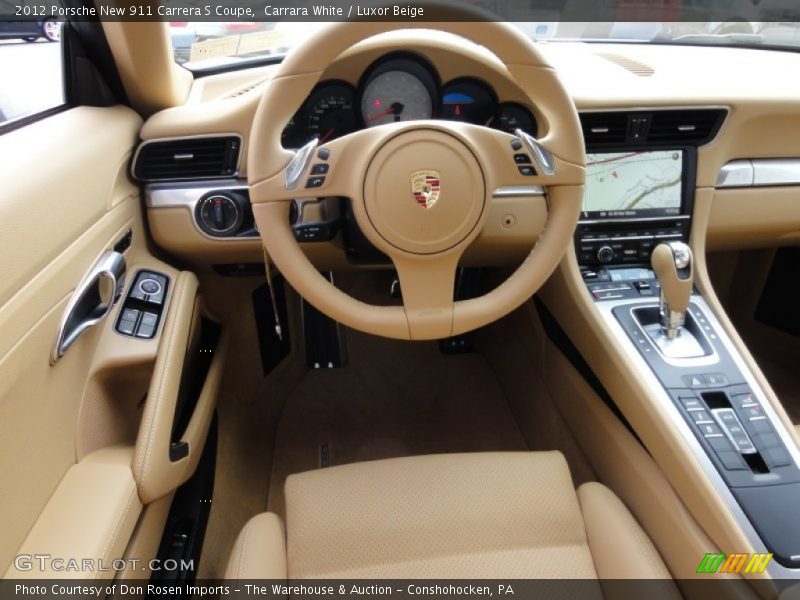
[(510, 515)]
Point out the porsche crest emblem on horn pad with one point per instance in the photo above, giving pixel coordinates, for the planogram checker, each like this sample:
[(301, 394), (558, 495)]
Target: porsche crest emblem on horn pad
[(425, 186)]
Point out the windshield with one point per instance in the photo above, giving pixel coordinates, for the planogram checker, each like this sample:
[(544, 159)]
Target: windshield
[(201, 45)]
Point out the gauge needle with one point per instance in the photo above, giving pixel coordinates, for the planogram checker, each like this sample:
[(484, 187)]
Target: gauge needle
[(395, 108), (327, 135)]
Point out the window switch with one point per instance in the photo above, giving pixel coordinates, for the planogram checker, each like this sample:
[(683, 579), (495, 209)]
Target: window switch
[(126, 327), (150, 319), (130, 314), (145, 331)]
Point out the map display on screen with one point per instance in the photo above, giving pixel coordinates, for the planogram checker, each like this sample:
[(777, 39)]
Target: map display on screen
[(623, 184)]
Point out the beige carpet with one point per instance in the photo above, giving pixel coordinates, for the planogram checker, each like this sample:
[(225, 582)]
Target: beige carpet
[(393, 399)]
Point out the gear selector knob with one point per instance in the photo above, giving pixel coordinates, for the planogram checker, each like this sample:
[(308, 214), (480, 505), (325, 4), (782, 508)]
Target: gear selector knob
[(672, 263)]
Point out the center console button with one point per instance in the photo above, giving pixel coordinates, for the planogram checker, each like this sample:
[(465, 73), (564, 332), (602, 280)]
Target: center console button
[(711, 430), (731, 460), (717, 379), (745, 400), (695, 381), (730, 423), (691, 403), (605, 254), (777, 457), (701, 416)]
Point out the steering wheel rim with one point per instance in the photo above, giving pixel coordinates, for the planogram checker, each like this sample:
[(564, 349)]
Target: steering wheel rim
[(425, 246)]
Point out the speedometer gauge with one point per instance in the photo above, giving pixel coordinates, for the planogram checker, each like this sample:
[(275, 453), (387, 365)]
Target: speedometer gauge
[(398, 90)]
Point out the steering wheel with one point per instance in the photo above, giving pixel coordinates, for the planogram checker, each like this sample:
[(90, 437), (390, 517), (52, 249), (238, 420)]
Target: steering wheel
[(420, 190)]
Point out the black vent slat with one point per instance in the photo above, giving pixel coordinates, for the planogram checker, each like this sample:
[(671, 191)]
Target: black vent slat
[(684, 125), (657, 127), (604, 128), (197, 158)]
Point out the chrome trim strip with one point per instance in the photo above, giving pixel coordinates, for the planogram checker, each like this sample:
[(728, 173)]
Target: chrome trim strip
[(776, 171), (180, 138), (664, 402), (633, 220), (758, 172), (512, 191), (737, 173), (178, 195)]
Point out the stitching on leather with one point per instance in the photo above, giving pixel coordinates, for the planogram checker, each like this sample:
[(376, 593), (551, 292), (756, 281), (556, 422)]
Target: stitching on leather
[(144, 460), (118, 526)]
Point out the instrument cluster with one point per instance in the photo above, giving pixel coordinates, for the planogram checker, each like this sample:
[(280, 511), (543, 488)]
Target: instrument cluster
[(400, 87)]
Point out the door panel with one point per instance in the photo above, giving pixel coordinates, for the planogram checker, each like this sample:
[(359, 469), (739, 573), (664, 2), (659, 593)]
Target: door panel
[(66, 199)]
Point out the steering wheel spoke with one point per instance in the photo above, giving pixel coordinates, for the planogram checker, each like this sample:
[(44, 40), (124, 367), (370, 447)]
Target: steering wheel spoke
[(517, 160), (427, 284)]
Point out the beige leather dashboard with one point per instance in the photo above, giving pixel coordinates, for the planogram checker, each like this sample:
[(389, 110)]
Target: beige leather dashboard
[(763, 122)]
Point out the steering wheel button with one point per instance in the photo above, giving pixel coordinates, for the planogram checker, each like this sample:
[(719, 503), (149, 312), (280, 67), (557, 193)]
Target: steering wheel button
[(528, 171), (315, 182), (323, 154), (516, 144), (320, 169), (522, 159)]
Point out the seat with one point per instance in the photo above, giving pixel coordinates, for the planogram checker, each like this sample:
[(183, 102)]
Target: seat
[(481, 515)]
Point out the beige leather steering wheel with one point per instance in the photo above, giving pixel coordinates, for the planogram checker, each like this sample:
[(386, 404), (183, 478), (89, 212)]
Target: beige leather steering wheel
[(374, 168)]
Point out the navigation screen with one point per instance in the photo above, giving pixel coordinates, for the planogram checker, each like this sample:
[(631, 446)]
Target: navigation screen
[(633, 184)]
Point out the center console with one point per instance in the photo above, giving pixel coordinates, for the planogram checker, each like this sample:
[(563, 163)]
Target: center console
[(636, 265)]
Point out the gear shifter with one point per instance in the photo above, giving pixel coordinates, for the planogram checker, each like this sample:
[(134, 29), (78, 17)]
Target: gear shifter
[(672, 263)]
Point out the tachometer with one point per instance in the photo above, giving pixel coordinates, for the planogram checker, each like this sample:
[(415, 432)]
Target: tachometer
[(398, 90), (329, 112), (326, 114), (512, 116)]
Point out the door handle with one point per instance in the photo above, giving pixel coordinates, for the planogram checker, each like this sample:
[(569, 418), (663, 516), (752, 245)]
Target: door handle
[(93, 299)]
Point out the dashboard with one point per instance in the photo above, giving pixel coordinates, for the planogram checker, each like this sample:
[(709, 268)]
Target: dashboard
[(401, 87), (730, 122)]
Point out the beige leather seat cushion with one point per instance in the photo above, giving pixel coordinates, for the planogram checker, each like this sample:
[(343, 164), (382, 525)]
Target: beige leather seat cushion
[(512, 514)]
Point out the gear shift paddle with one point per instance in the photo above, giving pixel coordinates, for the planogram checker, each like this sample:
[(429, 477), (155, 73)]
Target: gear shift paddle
[(672, 263)]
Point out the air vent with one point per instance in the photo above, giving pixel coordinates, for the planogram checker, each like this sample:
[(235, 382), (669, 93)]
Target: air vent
[(685, 126), (693, 127), (634, 66), (604, 128), (188, 158)]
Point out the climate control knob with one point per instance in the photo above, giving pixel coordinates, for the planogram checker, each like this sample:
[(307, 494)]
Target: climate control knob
[(605, 254), (219, 214)]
